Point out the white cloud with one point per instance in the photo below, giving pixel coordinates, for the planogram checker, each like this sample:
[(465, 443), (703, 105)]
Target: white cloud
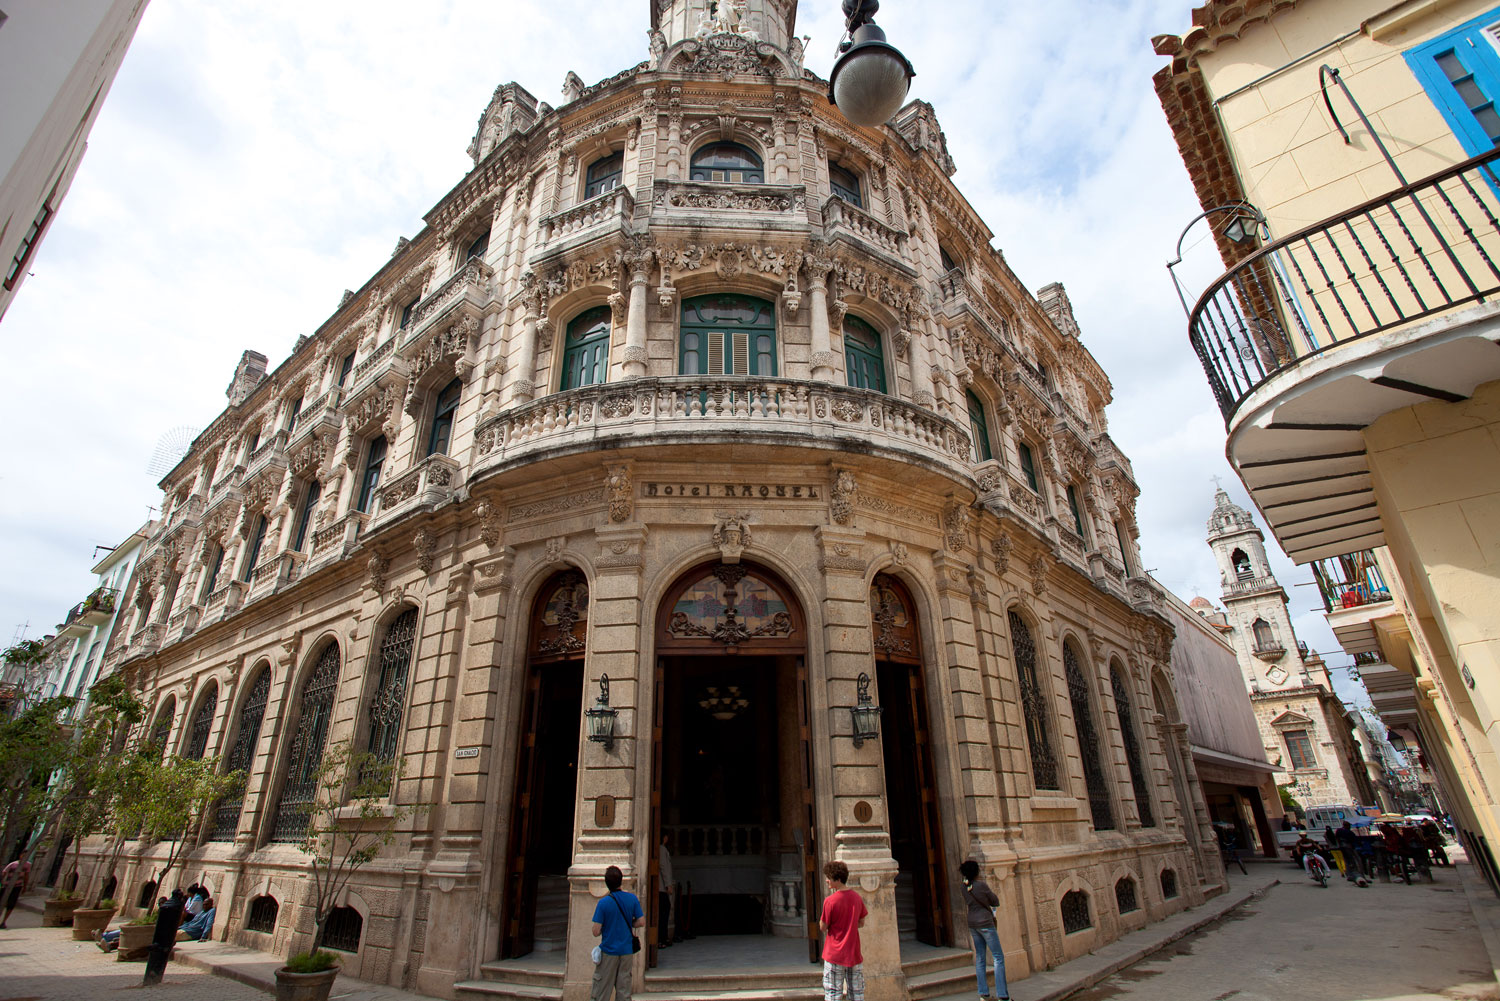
[(255, 159)]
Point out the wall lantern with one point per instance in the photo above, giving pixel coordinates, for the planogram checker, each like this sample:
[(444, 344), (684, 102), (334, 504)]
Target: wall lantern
[(1246, 225), (602, 716), (871, 77), (865, 712)]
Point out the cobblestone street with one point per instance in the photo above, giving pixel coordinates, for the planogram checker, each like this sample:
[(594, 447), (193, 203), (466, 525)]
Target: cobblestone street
[(1297, 940), (45, 964)]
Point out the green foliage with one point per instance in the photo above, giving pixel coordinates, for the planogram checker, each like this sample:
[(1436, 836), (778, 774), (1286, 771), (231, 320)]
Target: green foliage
[(1289, 802), (148, 918), (312, 962), (166, 799), (33, 745), (106, 904), (352, 816)]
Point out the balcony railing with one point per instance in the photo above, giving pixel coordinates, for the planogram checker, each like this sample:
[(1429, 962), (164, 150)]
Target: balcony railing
[(1424, 248), (685, 408), (613, 207), (468, 287), (840, 216), (1350, 581), (699, 197)]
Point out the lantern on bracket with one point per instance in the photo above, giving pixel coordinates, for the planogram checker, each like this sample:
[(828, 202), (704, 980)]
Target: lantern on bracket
[(601, 717), (865, 712)]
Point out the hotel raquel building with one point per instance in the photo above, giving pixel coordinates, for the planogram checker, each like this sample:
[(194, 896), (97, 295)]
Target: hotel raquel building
[(691, 384)]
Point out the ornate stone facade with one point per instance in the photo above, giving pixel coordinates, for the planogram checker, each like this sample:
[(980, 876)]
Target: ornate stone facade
[(650, 409)]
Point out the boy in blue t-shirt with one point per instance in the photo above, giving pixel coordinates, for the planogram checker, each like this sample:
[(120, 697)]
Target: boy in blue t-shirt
[(614, 916)]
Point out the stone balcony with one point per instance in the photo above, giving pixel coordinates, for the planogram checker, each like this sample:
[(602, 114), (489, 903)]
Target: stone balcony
[(273, 573), (271, 454), (321, 414), (722, 205), (333, 542), (225, 485), (468, 293), (842, 221), (225, 600), (1250, 585), (185, 515), (430, 483), (698, 410), (603, 215)]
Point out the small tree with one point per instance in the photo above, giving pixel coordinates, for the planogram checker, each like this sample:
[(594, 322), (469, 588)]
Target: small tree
[(177, 793), (34, 743), (351, 818)]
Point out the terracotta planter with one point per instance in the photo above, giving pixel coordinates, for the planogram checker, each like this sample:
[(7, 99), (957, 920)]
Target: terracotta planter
[(59, 913), (135, 941), (304, 986), (87, 920)]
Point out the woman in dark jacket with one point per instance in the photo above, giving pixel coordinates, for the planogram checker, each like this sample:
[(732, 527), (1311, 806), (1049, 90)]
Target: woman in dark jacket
[(982, 903)]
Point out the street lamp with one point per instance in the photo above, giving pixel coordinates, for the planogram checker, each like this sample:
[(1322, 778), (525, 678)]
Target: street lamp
[(865, 712), (871, 77), (602, 716), (1244, 227)]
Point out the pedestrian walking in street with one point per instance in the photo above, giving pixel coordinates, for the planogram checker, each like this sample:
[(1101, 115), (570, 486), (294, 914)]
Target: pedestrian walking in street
[(1348, 846), (615, 916), (15, 879), (982, 902), (843, 916)]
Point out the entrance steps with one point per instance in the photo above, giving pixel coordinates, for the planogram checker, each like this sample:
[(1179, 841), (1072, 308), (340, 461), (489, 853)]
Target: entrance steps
[(734, 985), (551, 927), (937, 973), (523, 979)]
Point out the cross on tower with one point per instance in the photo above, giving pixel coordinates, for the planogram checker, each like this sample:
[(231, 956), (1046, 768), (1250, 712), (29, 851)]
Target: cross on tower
[(1218, 481)]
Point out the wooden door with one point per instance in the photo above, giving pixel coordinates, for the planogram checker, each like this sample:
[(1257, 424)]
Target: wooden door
[(935, 897), (648, 894), (806, 818), (520, 880)]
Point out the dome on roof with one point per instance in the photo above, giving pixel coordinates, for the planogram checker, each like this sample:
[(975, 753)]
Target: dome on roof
[(1201, 603), (1228, 516)]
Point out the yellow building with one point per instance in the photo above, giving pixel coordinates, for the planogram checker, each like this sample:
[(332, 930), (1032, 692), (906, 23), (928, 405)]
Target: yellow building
[(1349, 148)]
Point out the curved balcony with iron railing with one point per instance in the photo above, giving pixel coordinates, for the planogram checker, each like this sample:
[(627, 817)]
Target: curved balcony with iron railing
[(693, 410), (1427, 248)]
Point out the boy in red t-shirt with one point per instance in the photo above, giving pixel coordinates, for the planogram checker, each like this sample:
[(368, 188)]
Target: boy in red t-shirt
[(843, 916)]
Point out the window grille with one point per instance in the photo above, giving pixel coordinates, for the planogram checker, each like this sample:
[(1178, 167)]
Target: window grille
[(1075, 912), (1132, 748), (1038, 739), (300, 790), (1168, 884), (252, 713), (342, 929), (1088, 741), (261, 915), (147, 895), (203, 722), (163, 730), (1125, 897), (390, 692)]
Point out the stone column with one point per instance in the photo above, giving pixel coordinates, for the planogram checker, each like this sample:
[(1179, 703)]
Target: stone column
[(635, 321), (524, 388), (823, 360), (921, 370)]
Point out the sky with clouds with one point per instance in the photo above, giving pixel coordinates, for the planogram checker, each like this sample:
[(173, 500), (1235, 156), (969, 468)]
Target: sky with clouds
[(254, 159)]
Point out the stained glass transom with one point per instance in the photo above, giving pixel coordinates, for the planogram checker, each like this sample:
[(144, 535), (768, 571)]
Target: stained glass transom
[(894, 626), (389, 700), (1038, 737), (252, 714), (730, 606), (1132, 747), (299, 793), (1088, 741), (562, 628)]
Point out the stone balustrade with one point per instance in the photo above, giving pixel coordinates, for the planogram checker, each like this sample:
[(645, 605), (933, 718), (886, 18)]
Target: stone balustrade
[(224, 484), (671, 198), (841, 218), (186, 514), (333, 541), (468, 287), (594, 216), (272, 452), (320, 413), (365, 370), (431, 482), (693, 408)]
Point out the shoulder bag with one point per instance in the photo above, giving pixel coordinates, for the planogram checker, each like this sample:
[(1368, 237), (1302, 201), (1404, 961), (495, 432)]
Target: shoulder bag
[(635, 940)]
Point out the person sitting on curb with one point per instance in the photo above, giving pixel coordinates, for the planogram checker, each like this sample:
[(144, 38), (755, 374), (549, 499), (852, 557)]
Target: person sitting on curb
[(201, 926)]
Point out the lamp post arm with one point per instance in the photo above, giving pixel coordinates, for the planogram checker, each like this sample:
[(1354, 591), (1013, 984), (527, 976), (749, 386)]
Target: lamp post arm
[(1256, 215)]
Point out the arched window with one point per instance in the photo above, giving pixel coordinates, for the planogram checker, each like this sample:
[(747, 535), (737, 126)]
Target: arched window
[(163, 728), (441, 435), (252, 557), (979, 431), (478, 248), (211, 577), (1241, 563), (727, 162), (261, 914), (864, 361), (1088, 740), (586, 349), (389, 699), (1125, 895), (370, 479), (342, 930), (1038, 737), (242, 755), (304, 516), (845, 184), (203, 722), (1126, 714), (728, 335), (308, 739), (1028, 465), (1168, 883), (1265, 639), (604, 175), (1075, 912)]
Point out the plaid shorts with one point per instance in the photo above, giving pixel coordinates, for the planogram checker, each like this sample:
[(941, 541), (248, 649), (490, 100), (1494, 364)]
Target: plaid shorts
[(836, 978)]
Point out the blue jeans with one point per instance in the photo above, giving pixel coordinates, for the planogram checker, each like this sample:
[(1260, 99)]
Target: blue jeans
[(989, 938)]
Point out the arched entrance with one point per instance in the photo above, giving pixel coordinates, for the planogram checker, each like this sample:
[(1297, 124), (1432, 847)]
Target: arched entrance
[(910, 774), (731, 784), (542, 810)]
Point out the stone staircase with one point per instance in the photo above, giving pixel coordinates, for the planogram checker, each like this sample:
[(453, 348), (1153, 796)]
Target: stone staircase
[(551, 932)]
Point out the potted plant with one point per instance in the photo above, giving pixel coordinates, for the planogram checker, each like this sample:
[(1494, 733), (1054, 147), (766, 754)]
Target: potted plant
[(135, 936), (57, 910), (352, 816), (87, 921)]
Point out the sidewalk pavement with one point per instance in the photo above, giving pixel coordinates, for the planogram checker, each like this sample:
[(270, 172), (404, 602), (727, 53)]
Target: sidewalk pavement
[(1484, 904), (257, 969)]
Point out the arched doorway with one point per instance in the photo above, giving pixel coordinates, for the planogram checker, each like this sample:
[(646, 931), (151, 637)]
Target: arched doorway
[(910, 775), (542, 810), (731, 782)]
